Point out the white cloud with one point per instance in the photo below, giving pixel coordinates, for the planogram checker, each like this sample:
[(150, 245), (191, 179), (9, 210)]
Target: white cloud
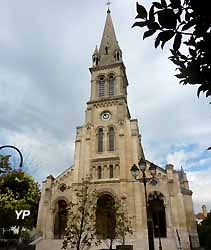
[(200, 183), (178, 159)]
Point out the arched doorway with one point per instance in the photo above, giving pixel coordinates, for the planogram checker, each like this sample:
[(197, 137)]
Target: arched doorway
[(105, 217), (157, 213), (60, 219)]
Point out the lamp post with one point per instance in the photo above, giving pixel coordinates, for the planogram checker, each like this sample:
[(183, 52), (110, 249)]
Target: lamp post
[(135, 171), (159, 239)]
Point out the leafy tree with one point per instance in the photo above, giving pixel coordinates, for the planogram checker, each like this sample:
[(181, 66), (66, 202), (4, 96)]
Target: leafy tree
[(120, 224), (123, 226), (5, 165), (80, 232), (18, 191), (188, 23), (204, 231)]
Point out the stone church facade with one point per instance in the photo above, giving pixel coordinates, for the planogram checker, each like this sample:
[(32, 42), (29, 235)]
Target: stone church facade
[(106, 146)]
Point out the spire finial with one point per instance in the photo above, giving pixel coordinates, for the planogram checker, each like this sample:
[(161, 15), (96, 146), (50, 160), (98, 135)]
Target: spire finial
[(108, 3)]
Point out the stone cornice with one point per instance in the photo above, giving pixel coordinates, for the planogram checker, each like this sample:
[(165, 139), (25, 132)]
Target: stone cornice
[(107, 99), (100, 181), (112, 158), (92, 69), (186, 191)]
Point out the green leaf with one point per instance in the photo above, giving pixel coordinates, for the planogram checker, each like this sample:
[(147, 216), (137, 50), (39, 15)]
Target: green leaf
[(152, 25), (139, 24), (164, 36), (192, 52), (201, 88), (148, 33), (157, 42), (175, 4), (163, 3), (189, 25), (177, 41), (187, 16), (157, 5), (208, 93), (167, 19), (151, 14), (142, 13), (180, 76)]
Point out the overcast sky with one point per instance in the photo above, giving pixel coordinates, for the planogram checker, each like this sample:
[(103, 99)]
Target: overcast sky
[(45, 52)]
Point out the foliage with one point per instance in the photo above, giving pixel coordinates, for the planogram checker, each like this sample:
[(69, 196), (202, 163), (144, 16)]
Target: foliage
[(204, 231), (123, 226), (18, 191), (5, 166), (187, 22), (81, 230)]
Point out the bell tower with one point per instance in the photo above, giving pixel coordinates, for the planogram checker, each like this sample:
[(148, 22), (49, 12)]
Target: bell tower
[(108, 71), (110, 139)]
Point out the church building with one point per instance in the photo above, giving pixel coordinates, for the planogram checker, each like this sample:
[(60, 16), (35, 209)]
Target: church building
[(107, 145)]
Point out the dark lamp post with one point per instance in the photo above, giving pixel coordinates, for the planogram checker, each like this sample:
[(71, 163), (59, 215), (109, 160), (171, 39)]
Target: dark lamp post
[(135, 171), (142, 165), (152, 169)]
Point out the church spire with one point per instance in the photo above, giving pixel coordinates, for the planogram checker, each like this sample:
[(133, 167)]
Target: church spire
[(109, 51)]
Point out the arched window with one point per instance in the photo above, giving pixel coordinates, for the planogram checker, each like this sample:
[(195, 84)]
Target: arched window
[(118, 57), (111, 171), (106, 50), (97, 60), (102, 86), (100, 140), (99, 172), (60, 220), (105, 217), (111, 139), (157, 214), (111, 86)]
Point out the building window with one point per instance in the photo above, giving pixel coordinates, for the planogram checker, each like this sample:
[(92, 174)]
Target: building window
[(101, 86), (106, 50), (100, 140), (99, 172), (111, 139), (111, 86), (118, 57), (111, 171)]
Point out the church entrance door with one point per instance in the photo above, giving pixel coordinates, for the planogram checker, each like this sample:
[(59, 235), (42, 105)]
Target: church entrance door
[(105, 217)]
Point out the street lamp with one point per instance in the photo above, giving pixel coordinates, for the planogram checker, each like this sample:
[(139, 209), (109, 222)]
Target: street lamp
[(135, 171), (158, 227)]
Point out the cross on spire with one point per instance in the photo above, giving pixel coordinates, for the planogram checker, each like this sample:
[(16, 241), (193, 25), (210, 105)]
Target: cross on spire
[(108, 3)]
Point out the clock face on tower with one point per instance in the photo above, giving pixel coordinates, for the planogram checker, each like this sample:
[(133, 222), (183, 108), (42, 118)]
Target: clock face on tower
[(105, 116)]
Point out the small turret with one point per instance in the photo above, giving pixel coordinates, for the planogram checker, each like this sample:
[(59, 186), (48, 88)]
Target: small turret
[(204, 210), (95, 57), (118, 53)]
